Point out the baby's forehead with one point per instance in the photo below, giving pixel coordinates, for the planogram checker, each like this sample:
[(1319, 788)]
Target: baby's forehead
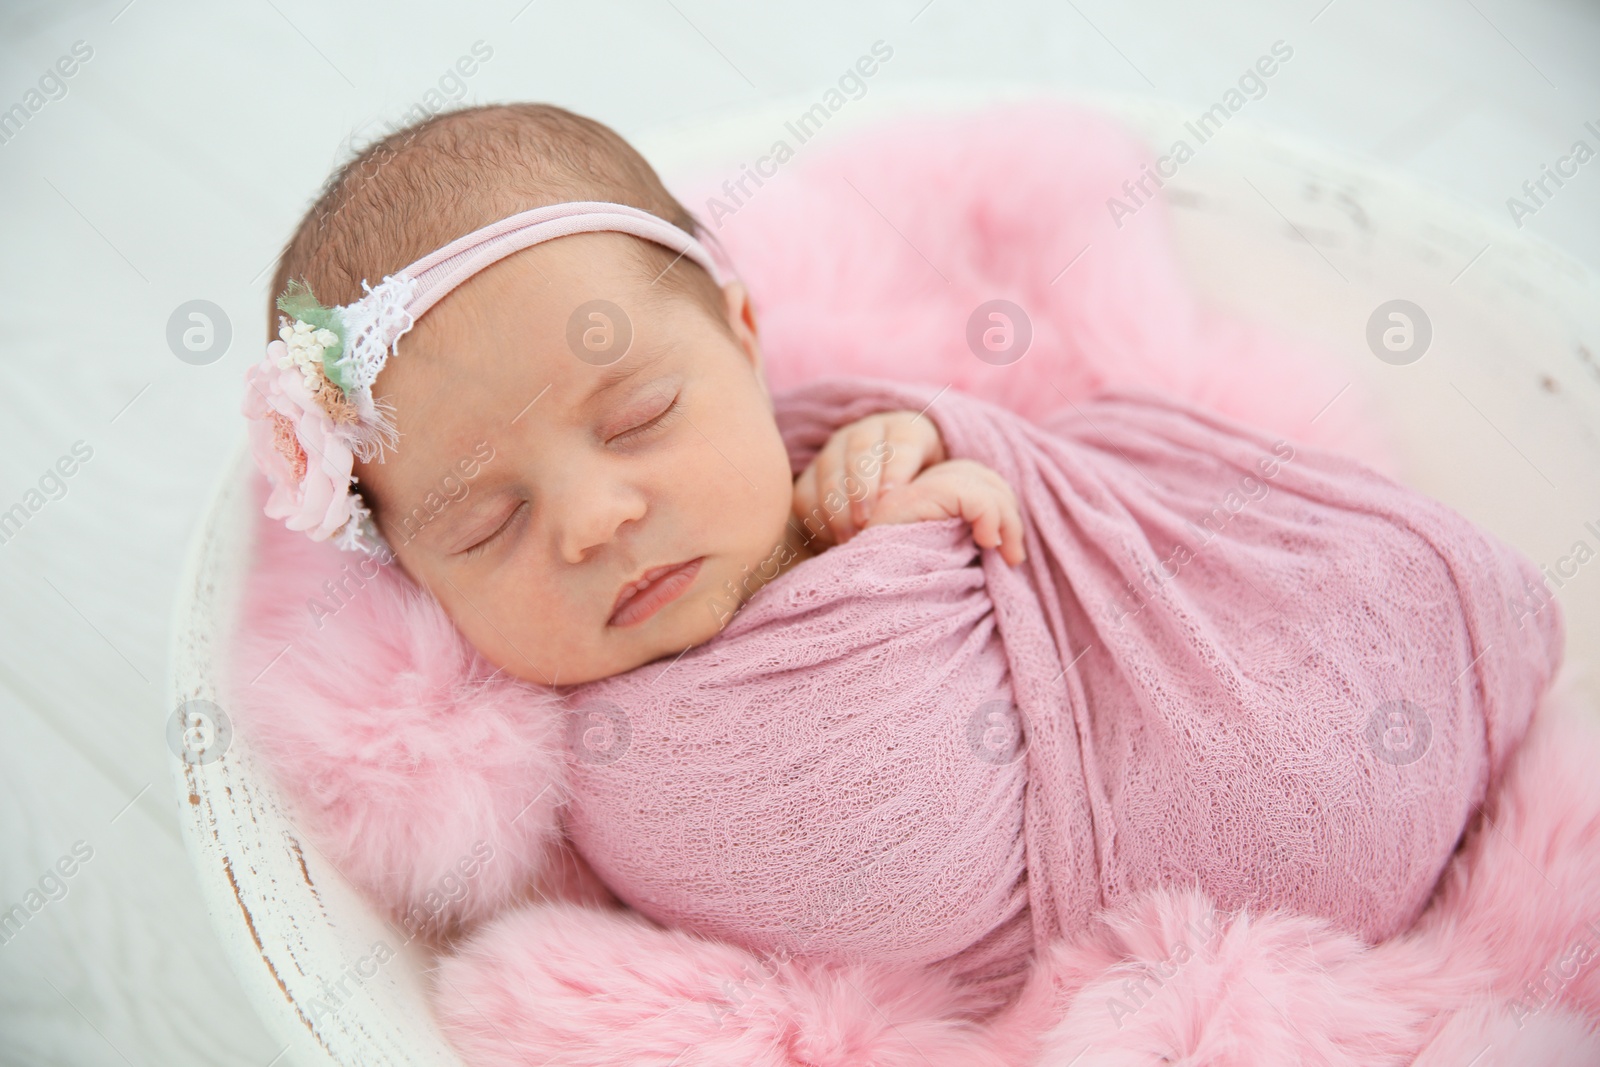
[(536, 343), (577, 307)]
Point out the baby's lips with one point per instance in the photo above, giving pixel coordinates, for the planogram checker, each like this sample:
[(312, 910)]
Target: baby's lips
[(652, 591)]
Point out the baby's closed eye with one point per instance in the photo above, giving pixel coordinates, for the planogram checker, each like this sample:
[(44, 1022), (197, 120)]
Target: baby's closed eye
[(479, 542), (637, 421)]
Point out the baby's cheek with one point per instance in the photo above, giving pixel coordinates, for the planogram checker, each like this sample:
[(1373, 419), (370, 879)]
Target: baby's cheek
[(522, 626), (744, 495), (771, 506)]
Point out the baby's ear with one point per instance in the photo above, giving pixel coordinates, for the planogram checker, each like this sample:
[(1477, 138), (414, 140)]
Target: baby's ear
[(741, 314)]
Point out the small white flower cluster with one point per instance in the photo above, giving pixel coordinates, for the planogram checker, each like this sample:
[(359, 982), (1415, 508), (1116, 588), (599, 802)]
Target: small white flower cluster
[(306, 345)]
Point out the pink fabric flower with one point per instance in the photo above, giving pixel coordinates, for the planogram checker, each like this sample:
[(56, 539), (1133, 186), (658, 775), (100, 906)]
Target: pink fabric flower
[(298, 447)]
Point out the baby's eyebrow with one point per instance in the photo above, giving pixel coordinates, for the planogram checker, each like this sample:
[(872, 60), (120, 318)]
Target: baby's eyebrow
[(625, 368)]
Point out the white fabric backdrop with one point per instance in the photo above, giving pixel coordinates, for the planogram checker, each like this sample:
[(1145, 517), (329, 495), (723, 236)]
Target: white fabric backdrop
[(186, 146)]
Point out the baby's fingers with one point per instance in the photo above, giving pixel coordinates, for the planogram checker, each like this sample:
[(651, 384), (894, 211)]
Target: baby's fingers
[(905, 452), (921, 501), (981, 509), (831, 506), (805, 500), (1008, 520), (1001, 523), (861, 470), (972, 492), (1012, 535), (1011, 547)]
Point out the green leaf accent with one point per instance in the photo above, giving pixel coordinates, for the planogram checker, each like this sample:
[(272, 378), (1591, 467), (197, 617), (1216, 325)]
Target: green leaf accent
[(298, 302)]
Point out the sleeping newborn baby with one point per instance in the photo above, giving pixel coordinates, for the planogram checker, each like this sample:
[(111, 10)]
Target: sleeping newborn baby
[(866, 669)]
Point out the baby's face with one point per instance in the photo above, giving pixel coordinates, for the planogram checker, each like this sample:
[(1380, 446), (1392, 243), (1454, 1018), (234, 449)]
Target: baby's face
[(579, 518)]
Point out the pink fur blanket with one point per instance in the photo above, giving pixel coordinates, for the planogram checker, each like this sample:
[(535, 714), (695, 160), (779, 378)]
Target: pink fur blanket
[(404, 756)]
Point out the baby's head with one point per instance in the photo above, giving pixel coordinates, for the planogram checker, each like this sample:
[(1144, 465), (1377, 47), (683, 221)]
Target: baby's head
[(554, 452)]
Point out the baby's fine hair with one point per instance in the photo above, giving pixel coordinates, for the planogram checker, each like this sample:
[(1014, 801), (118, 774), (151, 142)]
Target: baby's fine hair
[(422, 187)]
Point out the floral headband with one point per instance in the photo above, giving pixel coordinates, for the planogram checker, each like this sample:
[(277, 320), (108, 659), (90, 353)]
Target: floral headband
[(310, 402)]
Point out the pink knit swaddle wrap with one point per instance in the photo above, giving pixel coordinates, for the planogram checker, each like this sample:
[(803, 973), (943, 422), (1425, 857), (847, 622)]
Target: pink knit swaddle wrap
[(1239, 663)]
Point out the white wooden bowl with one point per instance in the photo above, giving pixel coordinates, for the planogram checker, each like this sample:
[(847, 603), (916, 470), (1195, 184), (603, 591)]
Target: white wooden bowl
[(1500, 419)]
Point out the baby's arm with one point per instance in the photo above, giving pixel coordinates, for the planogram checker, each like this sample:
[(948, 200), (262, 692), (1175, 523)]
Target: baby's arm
[(891, 468)]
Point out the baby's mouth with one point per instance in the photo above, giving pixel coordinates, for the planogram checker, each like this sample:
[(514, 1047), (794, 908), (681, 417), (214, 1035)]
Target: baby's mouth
[(652, 591)]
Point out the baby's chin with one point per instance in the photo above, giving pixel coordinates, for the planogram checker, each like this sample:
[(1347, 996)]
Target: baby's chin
[(617, 650)]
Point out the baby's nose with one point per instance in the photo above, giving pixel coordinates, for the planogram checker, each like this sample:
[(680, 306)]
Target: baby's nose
[(596, 516)]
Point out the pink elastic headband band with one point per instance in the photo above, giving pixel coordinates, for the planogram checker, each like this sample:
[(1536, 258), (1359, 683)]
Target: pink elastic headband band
[(440, 272)]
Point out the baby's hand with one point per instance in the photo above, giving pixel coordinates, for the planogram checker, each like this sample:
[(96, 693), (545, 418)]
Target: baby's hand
[(836, 495), (960, 489)]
